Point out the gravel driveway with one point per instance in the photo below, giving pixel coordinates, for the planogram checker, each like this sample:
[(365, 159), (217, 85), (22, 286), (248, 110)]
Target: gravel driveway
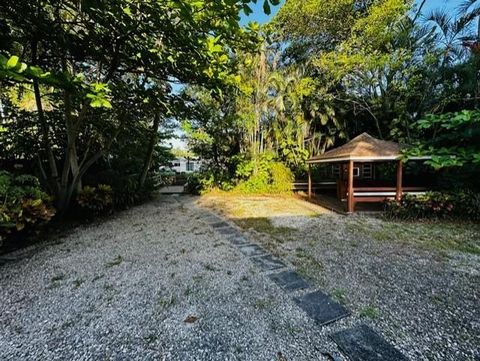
[(152, 283)]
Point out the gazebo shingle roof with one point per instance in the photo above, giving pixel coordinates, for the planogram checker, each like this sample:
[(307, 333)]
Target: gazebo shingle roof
[(363, 147)]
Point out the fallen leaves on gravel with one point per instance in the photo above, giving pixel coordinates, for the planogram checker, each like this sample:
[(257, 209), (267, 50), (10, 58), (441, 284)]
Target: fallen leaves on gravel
[(191, 319)]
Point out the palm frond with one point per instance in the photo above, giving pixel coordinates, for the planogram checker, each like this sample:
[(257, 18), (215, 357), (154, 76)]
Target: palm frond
[(467, 6), (441, 19)]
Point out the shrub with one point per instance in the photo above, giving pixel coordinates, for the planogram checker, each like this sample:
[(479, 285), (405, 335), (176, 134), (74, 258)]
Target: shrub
[(209, 179), (263, 175), (127, 191), (168, 179), (194, 184), (125, 187), (260, 175), (97, 200), (467, 204), (436, 205), (281, 178), (24, 205)]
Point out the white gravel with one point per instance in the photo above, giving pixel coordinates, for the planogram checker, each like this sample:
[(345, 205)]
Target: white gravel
[(122, 289), (424, 301)]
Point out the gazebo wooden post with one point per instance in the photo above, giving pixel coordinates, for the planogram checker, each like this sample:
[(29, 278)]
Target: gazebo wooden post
[(350, 200), (309, 181), (340, 182), (398, 190)]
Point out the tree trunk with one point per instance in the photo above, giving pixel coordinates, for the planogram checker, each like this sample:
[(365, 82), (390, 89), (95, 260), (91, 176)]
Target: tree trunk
[(151, 148), (67, 192), (53, 178)]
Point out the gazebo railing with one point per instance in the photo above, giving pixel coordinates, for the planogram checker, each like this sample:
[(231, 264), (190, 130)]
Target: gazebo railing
[(379, 194)]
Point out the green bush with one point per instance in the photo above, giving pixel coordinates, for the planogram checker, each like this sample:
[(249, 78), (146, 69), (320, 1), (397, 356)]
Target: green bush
[(467, 205), (24, 206), (464, 205), (125, 188), (194, 184), (263, 175), (97, 200), (127, 191), (209, 180)]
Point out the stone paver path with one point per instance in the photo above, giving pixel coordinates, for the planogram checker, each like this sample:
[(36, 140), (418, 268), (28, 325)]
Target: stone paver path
[(360, 343)]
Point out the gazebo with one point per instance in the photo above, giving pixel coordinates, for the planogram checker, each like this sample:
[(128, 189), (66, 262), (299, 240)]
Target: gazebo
[(356, 162)]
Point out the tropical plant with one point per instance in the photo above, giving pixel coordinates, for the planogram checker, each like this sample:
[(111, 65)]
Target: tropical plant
[(23, 204), (97, 200), (463, 205), (454, 139), (263, 174)]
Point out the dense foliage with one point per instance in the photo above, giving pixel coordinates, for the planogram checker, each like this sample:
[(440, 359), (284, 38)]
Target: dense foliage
[(452, 139), (263, 175), (330, 70), (96, 200), (260, 175), (462, 205), (23, 204), (89, 89), (83, 81)]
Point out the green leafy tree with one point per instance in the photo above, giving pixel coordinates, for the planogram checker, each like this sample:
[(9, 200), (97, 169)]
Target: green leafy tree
[(454, 139), (105, 62)]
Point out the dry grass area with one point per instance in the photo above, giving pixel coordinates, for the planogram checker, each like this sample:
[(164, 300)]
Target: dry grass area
[(415, 282), (272, 215), (240, 207), (276, 214)]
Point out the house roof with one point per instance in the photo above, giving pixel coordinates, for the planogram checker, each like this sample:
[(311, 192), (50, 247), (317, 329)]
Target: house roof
[(361, 148)]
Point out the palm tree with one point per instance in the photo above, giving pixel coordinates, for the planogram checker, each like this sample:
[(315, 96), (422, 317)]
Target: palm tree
[(450, 34), (469, 11)]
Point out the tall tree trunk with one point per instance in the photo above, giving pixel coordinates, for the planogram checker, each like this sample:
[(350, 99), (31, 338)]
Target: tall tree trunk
[(83, 168), (151, 148), (53, 178), (71, 157)]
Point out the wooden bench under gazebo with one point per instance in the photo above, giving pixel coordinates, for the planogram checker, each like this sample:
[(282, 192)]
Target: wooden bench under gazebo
[(355, 164)]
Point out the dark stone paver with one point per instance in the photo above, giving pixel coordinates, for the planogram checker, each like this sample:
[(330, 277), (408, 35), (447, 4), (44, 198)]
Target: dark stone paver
[(251, 250), (268, 262), (228, 231), (320, 307), (237, 239), (289, 280), (363, 344)]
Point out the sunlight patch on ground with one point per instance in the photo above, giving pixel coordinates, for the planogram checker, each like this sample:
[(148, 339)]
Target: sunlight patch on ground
[(247, 207)]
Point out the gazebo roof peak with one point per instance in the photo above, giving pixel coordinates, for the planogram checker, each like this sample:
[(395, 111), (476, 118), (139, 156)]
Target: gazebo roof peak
[(363, 147)]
